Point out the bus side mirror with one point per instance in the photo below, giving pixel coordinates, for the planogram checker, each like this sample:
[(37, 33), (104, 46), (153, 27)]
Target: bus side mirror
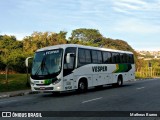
[(69, 57), (26, 61)]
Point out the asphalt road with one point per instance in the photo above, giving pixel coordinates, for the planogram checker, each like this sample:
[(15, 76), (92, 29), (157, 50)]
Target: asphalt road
[(143, 95)]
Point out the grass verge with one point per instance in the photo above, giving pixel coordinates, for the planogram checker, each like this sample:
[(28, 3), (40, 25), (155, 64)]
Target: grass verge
[(15, 82)]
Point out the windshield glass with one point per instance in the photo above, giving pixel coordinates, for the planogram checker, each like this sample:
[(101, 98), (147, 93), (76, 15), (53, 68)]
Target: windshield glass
[(46, 63)]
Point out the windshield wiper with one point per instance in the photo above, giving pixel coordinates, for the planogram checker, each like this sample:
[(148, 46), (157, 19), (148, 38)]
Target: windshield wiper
[(42, 66)]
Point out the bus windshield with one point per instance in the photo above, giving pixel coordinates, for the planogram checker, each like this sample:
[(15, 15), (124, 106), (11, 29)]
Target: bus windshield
[(47, 64)]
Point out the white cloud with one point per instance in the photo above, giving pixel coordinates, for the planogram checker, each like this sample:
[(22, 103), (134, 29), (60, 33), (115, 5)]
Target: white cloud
[(137, 5), (135, 26), (121, 10), (140, 2), (127, 6)]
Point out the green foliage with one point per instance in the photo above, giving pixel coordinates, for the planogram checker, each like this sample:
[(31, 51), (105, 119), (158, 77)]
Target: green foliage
[(93, 37), (143, 70), (15, 82), (39, 40), (10, 52), (13, 53), (85, 35)]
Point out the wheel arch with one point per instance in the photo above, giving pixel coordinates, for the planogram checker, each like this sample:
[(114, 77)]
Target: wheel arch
[(84, 79), (120, 76)]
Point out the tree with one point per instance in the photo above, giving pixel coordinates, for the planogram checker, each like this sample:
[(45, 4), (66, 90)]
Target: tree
[(85, 35), (10, 49), (39, 40)]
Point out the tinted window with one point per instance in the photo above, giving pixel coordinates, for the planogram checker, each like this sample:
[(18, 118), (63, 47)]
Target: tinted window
[(81, 55), (128, 58), (131, 58), (94, 57), (117, 58), (121, 58), (84, 57), (113, 57), (69, 50), (99, 56), (88, 56), (107, 57), (66, 69), (125, 58)]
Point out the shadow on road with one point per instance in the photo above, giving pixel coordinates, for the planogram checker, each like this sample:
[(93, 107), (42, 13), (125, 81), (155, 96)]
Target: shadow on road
[(90, 91)]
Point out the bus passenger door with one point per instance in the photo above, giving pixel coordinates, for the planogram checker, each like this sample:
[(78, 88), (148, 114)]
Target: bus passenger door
[(68, 68), (69, 74)]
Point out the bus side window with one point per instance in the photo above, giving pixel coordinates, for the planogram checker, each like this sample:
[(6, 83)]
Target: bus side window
[(94, 56), (124, 58), (117, 58), (109, 59), (87, 56), (132, 59), (128, 58), (105, 57), (113, 58), (99, 55), (84, 56), (121, 58), (81, 56)]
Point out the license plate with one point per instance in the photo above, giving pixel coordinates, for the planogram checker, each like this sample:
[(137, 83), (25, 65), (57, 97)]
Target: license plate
[(36, 82), (42, 88)]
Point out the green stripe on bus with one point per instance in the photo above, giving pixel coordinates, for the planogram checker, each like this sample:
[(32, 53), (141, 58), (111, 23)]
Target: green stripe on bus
[(123, 68)]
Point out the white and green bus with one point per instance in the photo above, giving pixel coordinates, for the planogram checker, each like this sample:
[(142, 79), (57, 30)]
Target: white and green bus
[(67, 67)]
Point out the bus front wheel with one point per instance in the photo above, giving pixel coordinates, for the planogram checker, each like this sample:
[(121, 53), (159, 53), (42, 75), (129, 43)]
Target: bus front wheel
[(82, 87)]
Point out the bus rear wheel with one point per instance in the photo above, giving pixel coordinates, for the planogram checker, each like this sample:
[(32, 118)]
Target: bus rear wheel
[(119, 81)]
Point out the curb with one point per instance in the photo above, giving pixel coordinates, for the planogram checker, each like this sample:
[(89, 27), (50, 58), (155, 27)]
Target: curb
[(18, 94)]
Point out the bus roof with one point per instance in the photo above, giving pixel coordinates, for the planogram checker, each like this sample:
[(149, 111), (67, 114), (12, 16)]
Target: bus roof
[(80, 46)]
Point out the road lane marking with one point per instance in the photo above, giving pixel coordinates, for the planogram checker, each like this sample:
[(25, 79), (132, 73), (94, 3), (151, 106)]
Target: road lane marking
[(7, 101), (14, 100), (92, 100), (140, 88)]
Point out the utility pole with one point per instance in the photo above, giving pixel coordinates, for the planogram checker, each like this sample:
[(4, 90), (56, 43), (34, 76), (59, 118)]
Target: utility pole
[(150, 68)]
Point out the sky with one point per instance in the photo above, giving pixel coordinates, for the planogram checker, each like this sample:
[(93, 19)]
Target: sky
[(135, 21)]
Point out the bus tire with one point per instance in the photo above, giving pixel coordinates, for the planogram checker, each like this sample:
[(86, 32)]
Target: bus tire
[(119, 81), (82, 86)]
